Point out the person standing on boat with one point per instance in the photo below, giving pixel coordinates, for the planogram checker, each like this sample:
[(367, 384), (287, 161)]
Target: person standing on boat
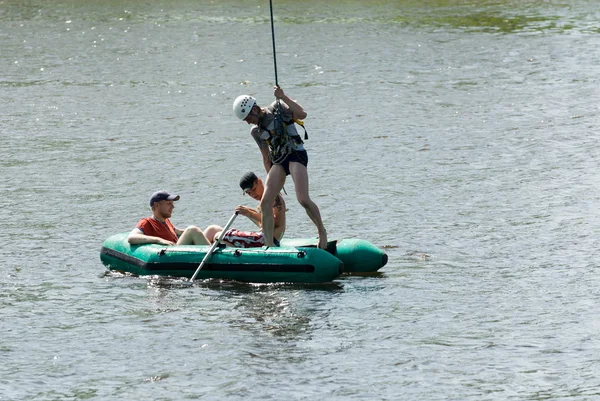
[(157, 229), (253, 186), (283, 154)]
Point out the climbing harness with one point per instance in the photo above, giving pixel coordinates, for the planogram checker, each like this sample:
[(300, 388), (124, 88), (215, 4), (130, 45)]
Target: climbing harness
[(281, 143)]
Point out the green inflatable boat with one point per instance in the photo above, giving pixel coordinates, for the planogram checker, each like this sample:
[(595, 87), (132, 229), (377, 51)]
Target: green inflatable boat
[(358, 255), (295, 261)]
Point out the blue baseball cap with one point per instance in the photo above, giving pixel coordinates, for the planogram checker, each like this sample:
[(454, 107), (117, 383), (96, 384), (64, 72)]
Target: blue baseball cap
[(162, 195)]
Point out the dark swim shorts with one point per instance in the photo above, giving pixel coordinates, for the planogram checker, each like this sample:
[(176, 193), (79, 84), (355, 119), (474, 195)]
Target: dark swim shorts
[(299, 156)]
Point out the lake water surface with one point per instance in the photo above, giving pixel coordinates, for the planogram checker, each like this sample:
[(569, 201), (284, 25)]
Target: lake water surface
[(462, 137)]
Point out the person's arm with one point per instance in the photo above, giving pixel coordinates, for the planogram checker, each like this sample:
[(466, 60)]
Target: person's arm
[(262, 146), (137, 237), (264, 151), (297, 110), (252, 214)]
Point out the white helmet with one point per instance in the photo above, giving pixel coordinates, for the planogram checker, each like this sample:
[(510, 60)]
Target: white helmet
[(242, 106)]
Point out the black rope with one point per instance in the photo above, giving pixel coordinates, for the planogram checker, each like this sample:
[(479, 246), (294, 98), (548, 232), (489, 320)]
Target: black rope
[(273, 36), (278, 117), (278, 152)]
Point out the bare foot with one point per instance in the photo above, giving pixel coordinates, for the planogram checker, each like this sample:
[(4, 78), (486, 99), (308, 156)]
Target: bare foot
[(322, 244)]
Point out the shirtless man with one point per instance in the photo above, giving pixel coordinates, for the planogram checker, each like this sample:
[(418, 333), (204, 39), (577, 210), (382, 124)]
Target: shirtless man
[(253, 186)]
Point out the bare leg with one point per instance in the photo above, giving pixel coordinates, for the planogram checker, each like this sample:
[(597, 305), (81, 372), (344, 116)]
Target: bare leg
[(217, 235), (273, 184), (300, 176), (193, 236), (211, 231)]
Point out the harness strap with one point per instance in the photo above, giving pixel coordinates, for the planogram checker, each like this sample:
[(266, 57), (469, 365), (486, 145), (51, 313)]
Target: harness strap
[(280, 142), (301, 123)]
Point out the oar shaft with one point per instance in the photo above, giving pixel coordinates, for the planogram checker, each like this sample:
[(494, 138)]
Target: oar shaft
[(214, 246)]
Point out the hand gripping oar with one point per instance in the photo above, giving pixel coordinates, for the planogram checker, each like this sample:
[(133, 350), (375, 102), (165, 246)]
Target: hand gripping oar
[(214, 246)]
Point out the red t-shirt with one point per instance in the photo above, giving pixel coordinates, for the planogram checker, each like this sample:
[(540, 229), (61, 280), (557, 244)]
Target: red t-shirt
[(155, 228)]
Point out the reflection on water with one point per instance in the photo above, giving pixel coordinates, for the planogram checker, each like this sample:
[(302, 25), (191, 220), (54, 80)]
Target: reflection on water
[(267, 308), (236, 287), (273, 313)]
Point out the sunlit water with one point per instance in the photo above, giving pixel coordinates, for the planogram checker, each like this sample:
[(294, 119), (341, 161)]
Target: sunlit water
[(461, 137)]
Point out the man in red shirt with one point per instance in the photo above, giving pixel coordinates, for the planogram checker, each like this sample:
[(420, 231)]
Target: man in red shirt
[(157, 229)]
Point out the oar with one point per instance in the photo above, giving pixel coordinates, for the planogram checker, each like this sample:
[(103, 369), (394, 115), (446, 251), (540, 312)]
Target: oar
[(214, 246)]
